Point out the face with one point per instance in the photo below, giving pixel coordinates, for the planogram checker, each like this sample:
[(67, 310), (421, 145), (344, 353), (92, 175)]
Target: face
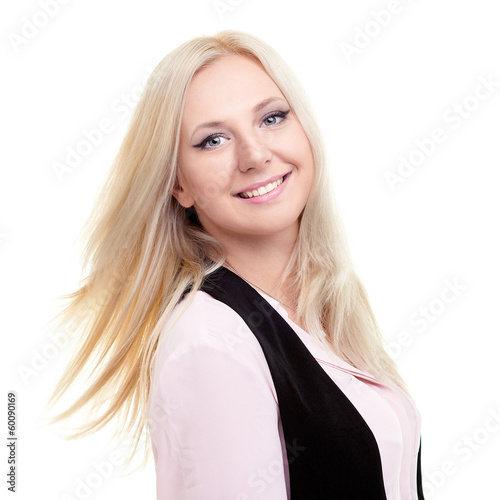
[(245, 162)]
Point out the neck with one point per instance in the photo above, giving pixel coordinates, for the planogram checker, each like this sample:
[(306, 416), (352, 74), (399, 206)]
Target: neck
[(262, 262)]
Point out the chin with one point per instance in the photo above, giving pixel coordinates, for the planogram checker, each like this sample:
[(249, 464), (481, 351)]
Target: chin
[(272, 227)]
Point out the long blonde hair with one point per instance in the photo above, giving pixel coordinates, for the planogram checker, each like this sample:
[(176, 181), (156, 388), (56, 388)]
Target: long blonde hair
[(142, 251)]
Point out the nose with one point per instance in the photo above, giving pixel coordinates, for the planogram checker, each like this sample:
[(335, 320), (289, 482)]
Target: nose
[(253, 152)]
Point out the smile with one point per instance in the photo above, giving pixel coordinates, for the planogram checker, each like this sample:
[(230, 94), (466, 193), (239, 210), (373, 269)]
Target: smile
[(262, 190)]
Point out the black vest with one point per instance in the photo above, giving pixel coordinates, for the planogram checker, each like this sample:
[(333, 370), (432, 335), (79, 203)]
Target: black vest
[(331, 451)]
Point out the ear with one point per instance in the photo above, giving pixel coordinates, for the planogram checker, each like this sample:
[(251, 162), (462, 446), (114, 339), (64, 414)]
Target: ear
[(182, 196)]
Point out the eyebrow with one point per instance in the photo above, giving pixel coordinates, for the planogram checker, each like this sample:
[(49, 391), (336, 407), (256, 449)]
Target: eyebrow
[(255, 109)]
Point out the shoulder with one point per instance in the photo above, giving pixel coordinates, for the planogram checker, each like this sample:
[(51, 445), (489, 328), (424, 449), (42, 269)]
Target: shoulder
[(209, 326), (206, 346), (204, 321)]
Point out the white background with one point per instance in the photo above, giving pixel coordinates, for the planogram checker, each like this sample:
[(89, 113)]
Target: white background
[(440, 223)]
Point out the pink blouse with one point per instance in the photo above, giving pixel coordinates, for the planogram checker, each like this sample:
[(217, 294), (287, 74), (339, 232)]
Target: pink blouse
[(212, 393)]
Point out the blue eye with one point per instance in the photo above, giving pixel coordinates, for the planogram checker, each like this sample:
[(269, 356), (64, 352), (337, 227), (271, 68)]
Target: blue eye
[(272, 118), (211, 142)]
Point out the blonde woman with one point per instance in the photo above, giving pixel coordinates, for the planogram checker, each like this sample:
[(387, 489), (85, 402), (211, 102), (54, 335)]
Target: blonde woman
[(221, 311)]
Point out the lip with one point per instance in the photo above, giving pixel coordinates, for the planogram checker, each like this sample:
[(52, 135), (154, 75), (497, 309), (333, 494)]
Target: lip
[(256, 200), (257, 185)]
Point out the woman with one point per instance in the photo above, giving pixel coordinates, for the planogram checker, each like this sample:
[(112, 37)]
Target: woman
[(225, 315)]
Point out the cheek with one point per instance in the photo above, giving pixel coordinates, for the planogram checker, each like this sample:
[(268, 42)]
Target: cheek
[(308, 168), (304, 152), (302, 148), (209, 185)]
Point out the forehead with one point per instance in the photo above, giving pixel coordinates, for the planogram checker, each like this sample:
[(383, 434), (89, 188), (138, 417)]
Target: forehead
[(230, 83)]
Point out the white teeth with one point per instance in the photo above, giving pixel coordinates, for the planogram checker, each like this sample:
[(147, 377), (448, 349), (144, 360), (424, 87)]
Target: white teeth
[(262, 190)]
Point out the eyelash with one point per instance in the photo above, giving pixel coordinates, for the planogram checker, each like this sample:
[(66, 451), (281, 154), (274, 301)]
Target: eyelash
[(278, 114)]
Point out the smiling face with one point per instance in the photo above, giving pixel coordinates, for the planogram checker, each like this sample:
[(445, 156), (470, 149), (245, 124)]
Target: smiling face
[(245, 162)]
